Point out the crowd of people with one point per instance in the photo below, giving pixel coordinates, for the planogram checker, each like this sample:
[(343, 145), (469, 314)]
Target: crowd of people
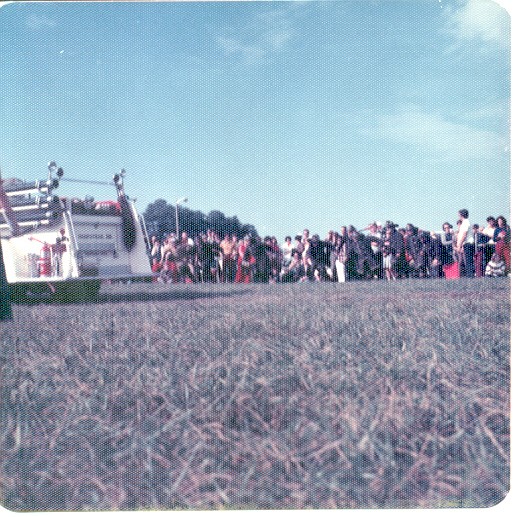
[(377, 252)]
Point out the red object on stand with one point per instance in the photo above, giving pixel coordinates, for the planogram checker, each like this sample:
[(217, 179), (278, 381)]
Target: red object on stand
[(451, 271), (45, 261)]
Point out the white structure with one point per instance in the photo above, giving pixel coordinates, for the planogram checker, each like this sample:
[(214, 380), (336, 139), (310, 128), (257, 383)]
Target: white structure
[(66, 247)]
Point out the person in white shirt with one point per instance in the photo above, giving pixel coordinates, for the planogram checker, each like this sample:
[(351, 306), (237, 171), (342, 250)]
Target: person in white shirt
[(287, 247), (466, 243)]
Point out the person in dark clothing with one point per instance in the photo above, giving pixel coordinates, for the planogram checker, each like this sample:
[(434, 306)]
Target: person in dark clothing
[(208, 254), (489, 232), (262, 266), (361, 254), (435, 256), (295, 270), (353, 253), (502, 238), (319, 256), (185, 259), (447, 245), (367, 266), (397, 244), (377, 256), (423, 257), (275, 257), (412, 250)]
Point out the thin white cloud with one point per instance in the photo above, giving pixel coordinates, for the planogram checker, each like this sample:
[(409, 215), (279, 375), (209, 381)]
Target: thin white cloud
[(432, 134), (35, 22), (482, 20), (264, 35), (279, 39), (496, 111), (234, 46)]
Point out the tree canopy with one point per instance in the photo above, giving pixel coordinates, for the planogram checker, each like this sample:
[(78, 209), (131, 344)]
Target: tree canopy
[(160, 218)]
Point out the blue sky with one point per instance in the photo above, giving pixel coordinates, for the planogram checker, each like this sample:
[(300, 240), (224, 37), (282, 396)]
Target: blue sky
[(285, 114)]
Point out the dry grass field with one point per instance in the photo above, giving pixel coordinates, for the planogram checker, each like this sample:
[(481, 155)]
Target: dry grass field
[(358, 395)]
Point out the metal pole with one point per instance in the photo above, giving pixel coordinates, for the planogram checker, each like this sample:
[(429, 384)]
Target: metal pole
[(90, 182), (177, 220), (178, 201)]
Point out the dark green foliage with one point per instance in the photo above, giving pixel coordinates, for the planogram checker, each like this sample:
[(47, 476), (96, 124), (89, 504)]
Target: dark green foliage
[(362, 395), (160, 219)]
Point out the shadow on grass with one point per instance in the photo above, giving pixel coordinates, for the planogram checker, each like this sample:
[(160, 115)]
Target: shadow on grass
[(129, 295), (148, 296)]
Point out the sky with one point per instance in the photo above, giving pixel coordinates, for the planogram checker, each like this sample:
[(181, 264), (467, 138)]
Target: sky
[(289, 115)]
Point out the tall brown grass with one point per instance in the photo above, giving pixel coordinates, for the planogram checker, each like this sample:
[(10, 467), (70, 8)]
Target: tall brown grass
[(360, 395)]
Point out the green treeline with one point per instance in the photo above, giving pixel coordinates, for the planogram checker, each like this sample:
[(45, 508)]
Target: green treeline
[(160, 218)]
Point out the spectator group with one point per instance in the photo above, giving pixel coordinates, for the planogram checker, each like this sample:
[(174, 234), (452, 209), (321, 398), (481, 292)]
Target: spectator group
[(378, 252)]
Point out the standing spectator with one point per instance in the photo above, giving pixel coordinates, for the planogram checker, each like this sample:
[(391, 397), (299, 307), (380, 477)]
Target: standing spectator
[(388, 254), (286, 249), (306, 236), (168, 241), (245, 262), (480, 255), (186, 252), (306, 250), (298, 244), (423, 259), (344, 234), (447, 243), (319, 258), (331, 251), (262, 264), (375, 230), (341, 259), (168, 269), (155, 248), (465, 243), (458, 253), (376, 249), (412, 250), (345, 243), (228, 251), (489, 231), (397, 244), (208, 254), (155, 256), (235, 241), (364, 258), (435, 256), (353, 253), (307, 269), (275, 258), (375, 238), (502, 238)]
